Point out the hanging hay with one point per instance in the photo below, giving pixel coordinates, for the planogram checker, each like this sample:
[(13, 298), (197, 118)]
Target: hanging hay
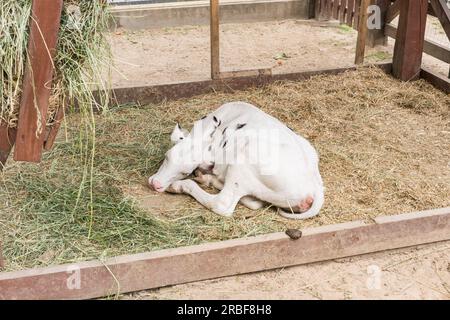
[(82, 51)]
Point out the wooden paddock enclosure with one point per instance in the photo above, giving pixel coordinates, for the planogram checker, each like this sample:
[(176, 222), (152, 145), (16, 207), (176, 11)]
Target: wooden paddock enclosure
[(174, 266)]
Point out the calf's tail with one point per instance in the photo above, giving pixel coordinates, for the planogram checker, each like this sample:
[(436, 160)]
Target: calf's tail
[(318, 201)]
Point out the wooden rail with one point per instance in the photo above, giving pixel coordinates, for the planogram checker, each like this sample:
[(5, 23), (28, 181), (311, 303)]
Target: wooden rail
[(430, 47)]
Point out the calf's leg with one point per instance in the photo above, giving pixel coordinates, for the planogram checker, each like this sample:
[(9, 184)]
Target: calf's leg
[(222, 203)]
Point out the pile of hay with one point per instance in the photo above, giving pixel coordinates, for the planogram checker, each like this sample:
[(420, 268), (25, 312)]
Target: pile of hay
[(384, 148), (81, 52)]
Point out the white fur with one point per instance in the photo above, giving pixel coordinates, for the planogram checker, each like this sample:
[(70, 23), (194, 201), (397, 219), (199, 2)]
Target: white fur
[(285, 179)]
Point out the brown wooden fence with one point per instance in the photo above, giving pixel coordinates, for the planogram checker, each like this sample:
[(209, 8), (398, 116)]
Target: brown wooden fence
[(346, 11)]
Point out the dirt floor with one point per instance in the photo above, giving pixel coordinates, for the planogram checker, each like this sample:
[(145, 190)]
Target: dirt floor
[(182, 54)]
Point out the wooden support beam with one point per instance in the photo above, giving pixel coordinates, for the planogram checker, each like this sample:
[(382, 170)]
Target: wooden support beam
[(350, 14), (44, 29), (336, 6), (136, 272), (442, 12), (7, 140), (393, 11), (215, 44), (409, 44), (430, 47), (376, 37), (357, 10), (362, 32), (342, 11), (172, 91)]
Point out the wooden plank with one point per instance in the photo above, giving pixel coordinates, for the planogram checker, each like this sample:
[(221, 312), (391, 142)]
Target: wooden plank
[(312, 5), (215, 45), (356, 18), (442, 12), (172, 91), (437, 80), (7, 140), (376, 37), (336, 9), (362, 33), (393, 11), (350, 13), (136, 272), (44, 28), (409, 44), (342, 11), (329, 9), (430, 47)]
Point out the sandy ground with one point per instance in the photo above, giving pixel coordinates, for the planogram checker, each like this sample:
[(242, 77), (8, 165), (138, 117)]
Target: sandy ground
[(413, 273), (182, 54)]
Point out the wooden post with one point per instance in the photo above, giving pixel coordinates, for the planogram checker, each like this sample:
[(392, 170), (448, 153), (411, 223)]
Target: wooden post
[(376, 36), (356, 17), (362, 32), (7, 139), (410, 39), (215, 46), (44, 28), (350, 15)]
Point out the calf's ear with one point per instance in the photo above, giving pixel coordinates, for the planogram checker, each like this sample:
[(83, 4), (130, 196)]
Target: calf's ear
[(178, 134)]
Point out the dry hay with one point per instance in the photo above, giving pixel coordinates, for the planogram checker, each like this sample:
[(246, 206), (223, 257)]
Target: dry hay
[(384, 149), (82, 51)]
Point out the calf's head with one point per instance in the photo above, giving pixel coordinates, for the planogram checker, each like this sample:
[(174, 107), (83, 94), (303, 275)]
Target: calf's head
[(180, 160)]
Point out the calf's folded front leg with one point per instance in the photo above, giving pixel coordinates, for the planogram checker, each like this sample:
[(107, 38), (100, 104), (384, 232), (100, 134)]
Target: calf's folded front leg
[(208, 179), (222, 203)]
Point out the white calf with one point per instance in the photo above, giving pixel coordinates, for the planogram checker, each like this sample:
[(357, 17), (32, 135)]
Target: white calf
[(250, 156)]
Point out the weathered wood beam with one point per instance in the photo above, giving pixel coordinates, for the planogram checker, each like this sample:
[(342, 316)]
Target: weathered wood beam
[(393, 11), (362, 32), (430, 47), (442, 12), (44, 29), (410, 39), (350, 14), (136, 272), (172, 91)]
